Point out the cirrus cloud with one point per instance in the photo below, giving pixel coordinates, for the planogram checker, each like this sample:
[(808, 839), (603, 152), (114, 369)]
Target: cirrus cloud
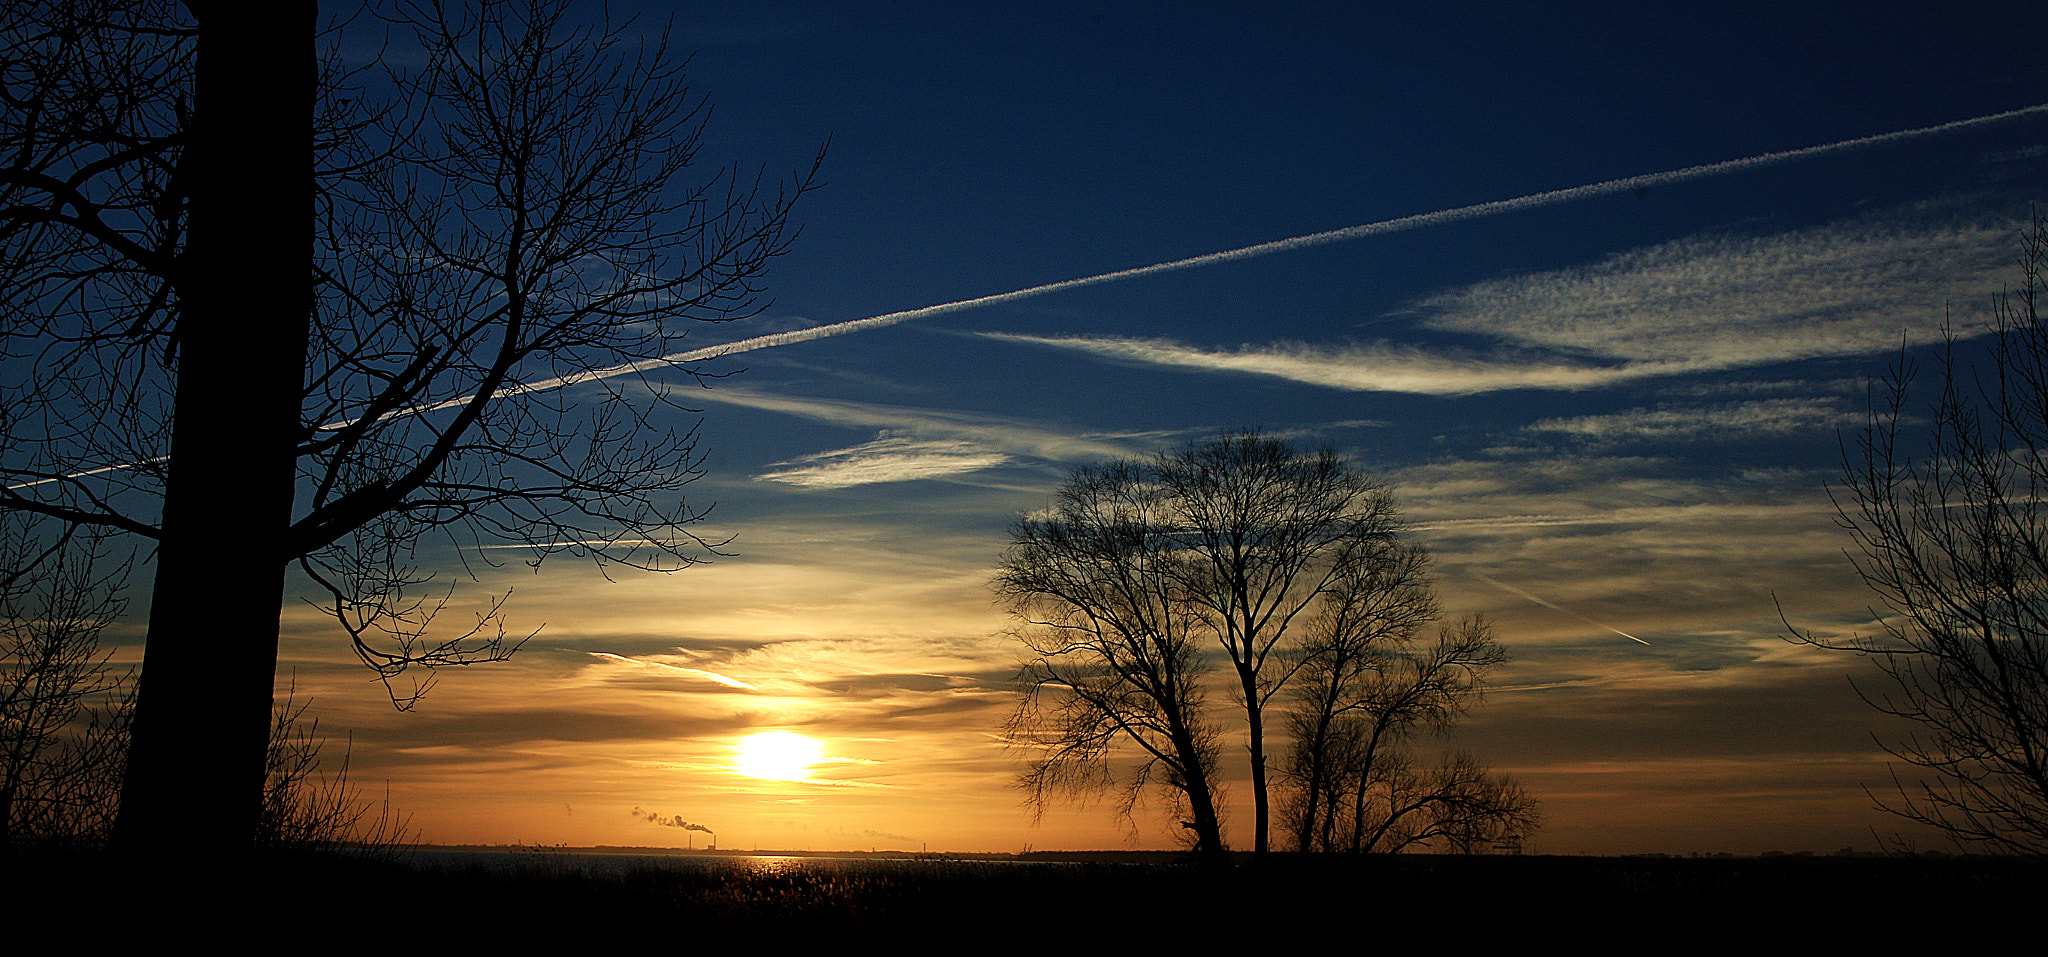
[(891, 457), (1703, 304)]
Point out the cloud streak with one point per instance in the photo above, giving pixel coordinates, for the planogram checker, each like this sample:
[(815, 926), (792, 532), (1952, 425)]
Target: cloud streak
[(1379, 367), (1723, 302), (911, 444), (891, 457), (1739, 422), (1690, 306), (1008, 435)]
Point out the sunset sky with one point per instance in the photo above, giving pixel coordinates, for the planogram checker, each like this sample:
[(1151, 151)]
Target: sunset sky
[(1606, 414)]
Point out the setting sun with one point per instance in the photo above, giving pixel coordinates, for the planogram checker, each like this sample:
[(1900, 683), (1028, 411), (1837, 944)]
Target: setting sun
[(779, 756)]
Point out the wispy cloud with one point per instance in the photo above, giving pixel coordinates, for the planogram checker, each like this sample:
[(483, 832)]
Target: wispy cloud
[(891, 457), (1696, 305), (1377, 367), (1015, 436), (1728, 302), (1751, 388), (955, 448), (1684, 556), (1730, 422), (915, 443)]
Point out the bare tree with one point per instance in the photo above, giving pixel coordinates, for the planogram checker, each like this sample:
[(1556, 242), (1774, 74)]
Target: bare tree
[(309, 803), (1224, 545), (1263, 531), (234, 272), (1116, 656), (62, 707), (1954, 541), (1379, 602), (1456, 804), (1363, 695)]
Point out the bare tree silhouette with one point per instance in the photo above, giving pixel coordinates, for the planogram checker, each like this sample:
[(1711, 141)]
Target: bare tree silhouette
[(236, 270), (310, 803), (1116, 655), (1954, 541), (1263, 531), (1286, 562), (1363, 693), (63, 708), (1377, 603)]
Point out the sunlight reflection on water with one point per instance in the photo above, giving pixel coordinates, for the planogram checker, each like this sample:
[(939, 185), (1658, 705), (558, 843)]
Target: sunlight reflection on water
[(549, 860)]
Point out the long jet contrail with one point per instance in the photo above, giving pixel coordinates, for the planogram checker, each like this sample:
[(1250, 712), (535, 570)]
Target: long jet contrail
[(1531, 201)]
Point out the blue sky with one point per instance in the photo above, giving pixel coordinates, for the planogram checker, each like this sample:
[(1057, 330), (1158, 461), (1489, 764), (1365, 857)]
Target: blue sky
[(1625, 406)]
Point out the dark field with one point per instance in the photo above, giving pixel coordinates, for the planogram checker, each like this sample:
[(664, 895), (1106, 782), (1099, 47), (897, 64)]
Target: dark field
[(1072, 906)]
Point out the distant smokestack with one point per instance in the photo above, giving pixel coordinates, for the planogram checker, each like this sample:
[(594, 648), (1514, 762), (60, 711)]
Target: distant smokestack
[(669, 820)]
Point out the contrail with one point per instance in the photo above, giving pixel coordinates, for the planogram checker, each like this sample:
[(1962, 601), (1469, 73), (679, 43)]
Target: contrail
[(1475, 211), (1555, 607), (1458, 214), (93, 471), (697, 672)]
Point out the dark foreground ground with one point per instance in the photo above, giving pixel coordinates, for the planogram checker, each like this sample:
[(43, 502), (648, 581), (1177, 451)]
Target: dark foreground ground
[(331, 904)]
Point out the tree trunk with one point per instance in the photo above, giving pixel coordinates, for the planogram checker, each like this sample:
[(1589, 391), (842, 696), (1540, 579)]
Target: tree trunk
[(1311, 799), (1316, 789), (195, 767), (1256, 729), (1207, 825)]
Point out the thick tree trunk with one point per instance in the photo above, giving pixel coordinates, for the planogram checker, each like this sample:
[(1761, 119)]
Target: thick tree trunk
[(1207, 826), (195, 770)]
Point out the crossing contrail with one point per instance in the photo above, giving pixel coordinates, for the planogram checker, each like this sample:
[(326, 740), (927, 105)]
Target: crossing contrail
[(1556, 607), (1458, 214)]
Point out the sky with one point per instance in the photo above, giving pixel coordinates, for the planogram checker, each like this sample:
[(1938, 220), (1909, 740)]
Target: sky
[(1606, 412)]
